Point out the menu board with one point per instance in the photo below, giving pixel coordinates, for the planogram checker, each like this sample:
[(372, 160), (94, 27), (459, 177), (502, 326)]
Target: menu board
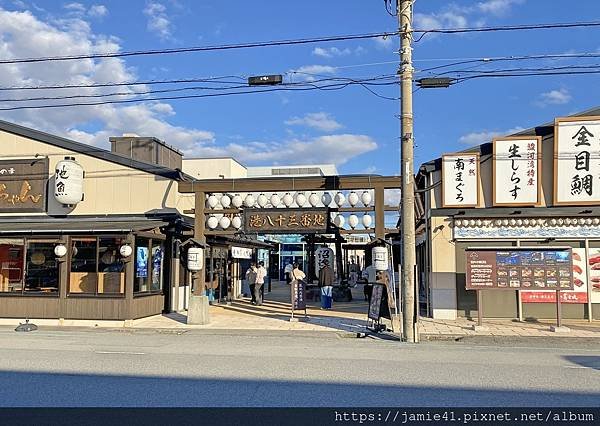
[(375, 305), (517, 269), (579, 294), (298, 288)]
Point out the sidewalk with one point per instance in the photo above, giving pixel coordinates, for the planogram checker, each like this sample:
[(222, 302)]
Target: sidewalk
[(430, 328)]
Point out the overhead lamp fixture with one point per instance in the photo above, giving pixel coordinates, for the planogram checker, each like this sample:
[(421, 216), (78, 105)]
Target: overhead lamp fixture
[(435, 83)]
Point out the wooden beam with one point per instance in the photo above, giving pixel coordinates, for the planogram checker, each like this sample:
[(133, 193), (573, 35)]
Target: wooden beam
[(280, 184)]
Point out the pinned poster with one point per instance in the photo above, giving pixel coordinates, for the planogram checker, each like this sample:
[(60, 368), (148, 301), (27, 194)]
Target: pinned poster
[(576, 165), (517, 166), (593, 263), (460, 180)]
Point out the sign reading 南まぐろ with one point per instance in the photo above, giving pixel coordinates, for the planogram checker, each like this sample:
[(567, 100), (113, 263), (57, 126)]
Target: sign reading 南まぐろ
[(517, 165), (577, 161), (460, 180)]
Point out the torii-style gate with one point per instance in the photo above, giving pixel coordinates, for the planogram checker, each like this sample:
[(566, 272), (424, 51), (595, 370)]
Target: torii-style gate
[(204, 188)]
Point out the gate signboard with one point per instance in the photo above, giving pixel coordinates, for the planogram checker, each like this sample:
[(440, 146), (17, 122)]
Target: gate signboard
[(519, 269), (286, 221)]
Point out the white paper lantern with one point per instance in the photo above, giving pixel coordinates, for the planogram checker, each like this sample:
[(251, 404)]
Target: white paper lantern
[(582, 221), (380, 258), (366, 198), (478, 222), (225, 222), (353, 220), (237, 201), (512, 222), (339, 221), (275, 200), (525, 222), (262, 200), (326, 199), (596, 221), (212, 222), (519, 222), (339, 199), (225, 201), (288, 200), (458, 222), (541, 222), (553, 222), (472, 222), (567, 221), (68, 181), (195, 259), (60, 250), (313, 199), (367, 221), (236, 222), (249, 200), (353, 199), (300, 199), (560, 222), (588, 221), (505, 222), (212, 201), (498, 222)]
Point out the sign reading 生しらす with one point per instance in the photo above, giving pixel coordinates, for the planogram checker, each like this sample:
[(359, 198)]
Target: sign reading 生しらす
[(577, 161), (460, 180), (517, 165)]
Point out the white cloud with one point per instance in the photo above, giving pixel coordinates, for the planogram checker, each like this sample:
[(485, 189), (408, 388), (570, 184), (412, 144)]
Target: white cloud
[(317, 120), (310, 72), (330, 52), (476, 138), (75, 7), (447, 19), (554, 97), (336, 149), (498, 7), (98, 10), (158, 20), (25, 35), (369, 170)]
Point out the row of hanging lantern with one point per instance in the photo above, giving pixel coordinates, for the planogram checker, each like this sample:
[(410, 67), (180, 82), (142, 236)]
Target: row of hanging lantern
[(225, 201), (224, 222)]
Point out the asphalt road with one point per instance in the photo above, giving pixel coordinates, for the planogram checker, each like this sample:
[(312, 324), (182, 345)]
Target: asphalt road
[(74, 367)]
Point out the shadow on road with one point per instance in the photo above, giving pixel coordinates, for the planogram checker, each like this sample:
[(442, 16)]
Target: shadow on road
[(584, 361), (27, 389)]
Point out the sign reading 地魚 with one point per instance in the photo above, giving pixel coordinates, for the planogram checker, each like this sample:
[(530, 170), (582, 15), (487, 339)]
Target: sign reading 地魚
[(286, 221)]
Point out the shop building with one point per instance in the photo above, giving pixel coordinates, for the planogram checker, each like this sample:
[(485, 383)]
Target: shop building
[(539, 188), (87, 233)]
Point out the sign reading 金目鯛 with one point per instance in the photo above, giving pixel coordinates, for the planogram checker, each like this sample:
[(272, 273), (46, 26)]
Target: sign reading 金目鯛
[(23, 185), (287, 221), (517, 166), (577, 161), (460, 180)]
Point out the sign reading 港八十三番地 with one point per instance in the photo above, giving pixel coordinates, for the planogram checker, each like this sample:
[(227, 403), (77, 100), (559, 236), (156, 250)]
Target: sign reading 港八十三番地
[(460, 180), (516, 175), (287, 221), (23, 185), (519, 269), (577, 161)]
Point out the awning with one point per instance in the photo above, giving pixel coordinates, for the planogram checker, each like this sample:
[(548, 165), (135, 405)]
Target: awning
[(77, 225)]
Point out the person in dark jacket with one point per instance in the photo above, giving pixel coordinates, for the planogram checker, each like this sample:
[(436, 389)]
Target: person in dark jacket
[(326, 278), (251, 275)]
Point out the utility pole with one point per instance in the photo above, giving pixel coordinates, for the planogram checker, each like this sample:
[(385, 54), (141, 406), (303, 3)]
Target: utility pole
[(405, 11)]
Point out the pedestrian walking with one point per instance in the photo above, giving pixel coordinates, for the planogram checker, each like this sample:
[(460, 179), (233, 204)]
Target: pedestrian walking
[(288, 272), (251, 275), (296, 274), (326, 284), (261, 274)]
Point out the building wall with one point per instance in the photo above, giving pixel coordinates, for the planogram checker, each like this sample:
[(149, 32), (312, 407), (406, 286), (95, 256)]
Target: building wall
[(443, 270), (109, 188), (211, 168)]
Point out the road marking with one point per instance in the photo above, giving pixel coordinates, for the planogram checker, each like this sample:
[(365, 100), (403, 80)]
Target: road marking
[(119, 353), (578, 367)]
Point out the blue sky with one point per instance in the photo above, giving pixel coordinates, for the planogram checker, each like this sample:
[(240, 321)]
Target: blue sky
[(351, 127)]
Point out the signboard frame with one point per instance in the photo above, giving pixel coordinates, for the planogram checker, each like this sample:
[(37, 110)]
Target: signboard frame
[(40, 182), (478, 179), (495, 286), (538, 141), (299, 229), (555, 200)]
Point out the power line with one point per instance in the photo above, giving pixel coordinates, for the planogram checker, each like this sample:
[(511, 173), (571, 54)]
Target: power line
[(202, 48), (505, 28)]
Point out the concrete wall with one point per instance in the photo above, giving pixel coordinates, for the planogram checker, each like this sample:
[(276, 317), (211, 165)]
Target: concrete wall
[(211, 168), (442, 277)]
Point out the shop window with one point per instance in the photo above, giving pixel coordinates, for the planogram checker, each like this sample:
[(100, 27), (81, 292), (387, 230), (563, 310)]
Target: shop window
[(96, 266), (149, 258), (28, 267), (41, 268), (11, 265)]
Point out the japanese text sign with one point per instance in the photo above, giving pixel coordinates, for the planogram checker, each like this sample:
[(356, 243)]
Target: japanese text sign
[(577, 161), (460, 180), (23, 185), (519, 268), (287, 221), (517, 166)]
